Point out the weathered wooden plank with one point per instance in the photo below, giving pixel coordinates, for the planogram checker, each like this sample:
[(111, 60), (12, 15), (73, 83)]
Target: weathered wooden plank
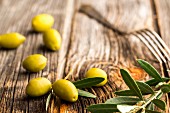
[(162, 11), (17, 17), (93, 45)]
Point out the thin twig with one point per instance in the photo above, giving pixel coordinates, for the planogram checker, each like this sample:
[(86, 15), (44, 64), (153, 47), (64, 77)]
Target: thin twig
[(70, 72)]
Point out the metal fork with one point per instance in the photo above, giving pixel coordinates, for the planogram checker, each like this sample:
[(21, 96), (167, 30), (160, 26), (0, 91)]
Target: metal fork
[(155, 44)]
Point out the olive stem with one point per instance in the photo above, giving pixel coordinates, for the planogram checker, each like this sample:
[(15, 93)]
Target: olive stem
[(48, 101), (70, 72), (149, 101), (152, 98)]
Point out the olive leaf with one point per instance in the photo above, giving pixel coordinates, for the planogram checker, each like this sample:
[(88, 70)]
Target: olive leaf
[(123, 100), (151, 111), (159, 103), (150, 107), (153, 81), (88, 82), (131, 83), (125, 93), (165, 88), (126, 108), (86, 94), (103, 108), (48, 101), (145, 88), (150, 70)]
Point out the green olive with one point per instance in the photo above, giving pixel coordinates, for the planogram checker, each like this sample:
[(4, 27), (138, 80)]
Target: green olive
[(38, 87), (42, 22), (52, 39), (97, 72), (11, 40), (65, 90), (35, 63)]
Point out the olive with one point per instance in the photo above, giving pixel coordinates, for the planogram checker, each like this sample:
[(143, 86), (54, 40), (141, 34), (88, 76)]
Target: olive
[(65, 90), (52, 39), (11, 40), (42, 22), (35, 62), (38, 87), (97, 72)]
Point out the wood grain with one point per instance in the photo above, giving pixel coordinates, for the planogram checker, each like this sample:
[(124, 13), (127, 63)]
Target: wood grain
[(163, 22), (85, 43), (163, 19), (17, 17), (162, 10), (93, 45)]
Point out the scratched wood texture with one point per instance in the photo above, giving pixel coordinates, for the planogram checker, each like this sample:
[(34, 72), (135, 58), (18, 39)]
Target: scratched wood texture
[(85, 43)]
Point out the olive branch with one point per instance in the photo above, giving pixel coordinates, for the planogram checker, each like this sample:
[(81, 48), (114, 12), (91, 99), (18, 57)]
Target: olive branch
[(141, 97), (80, 84), (134, 100)]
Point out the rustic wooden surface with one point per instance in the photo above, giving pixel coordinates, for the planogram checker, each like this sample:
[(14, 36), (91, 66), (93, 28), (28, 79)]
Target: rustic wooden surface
[(85, 43)]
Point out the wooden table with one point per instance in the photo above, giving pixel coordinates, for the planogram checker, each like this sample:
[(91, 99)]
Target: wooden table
[(85, 43)]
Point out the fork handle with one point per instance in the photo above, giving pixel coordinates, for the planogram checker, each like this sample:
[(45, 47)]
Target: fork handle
[(93, 13)]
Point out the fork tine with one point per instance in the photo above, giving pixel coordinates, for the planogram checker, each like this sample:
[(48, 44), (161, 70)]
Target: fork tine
[(137, 34), (162, 49), (156, 45), (148, 38), (160, 40)]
